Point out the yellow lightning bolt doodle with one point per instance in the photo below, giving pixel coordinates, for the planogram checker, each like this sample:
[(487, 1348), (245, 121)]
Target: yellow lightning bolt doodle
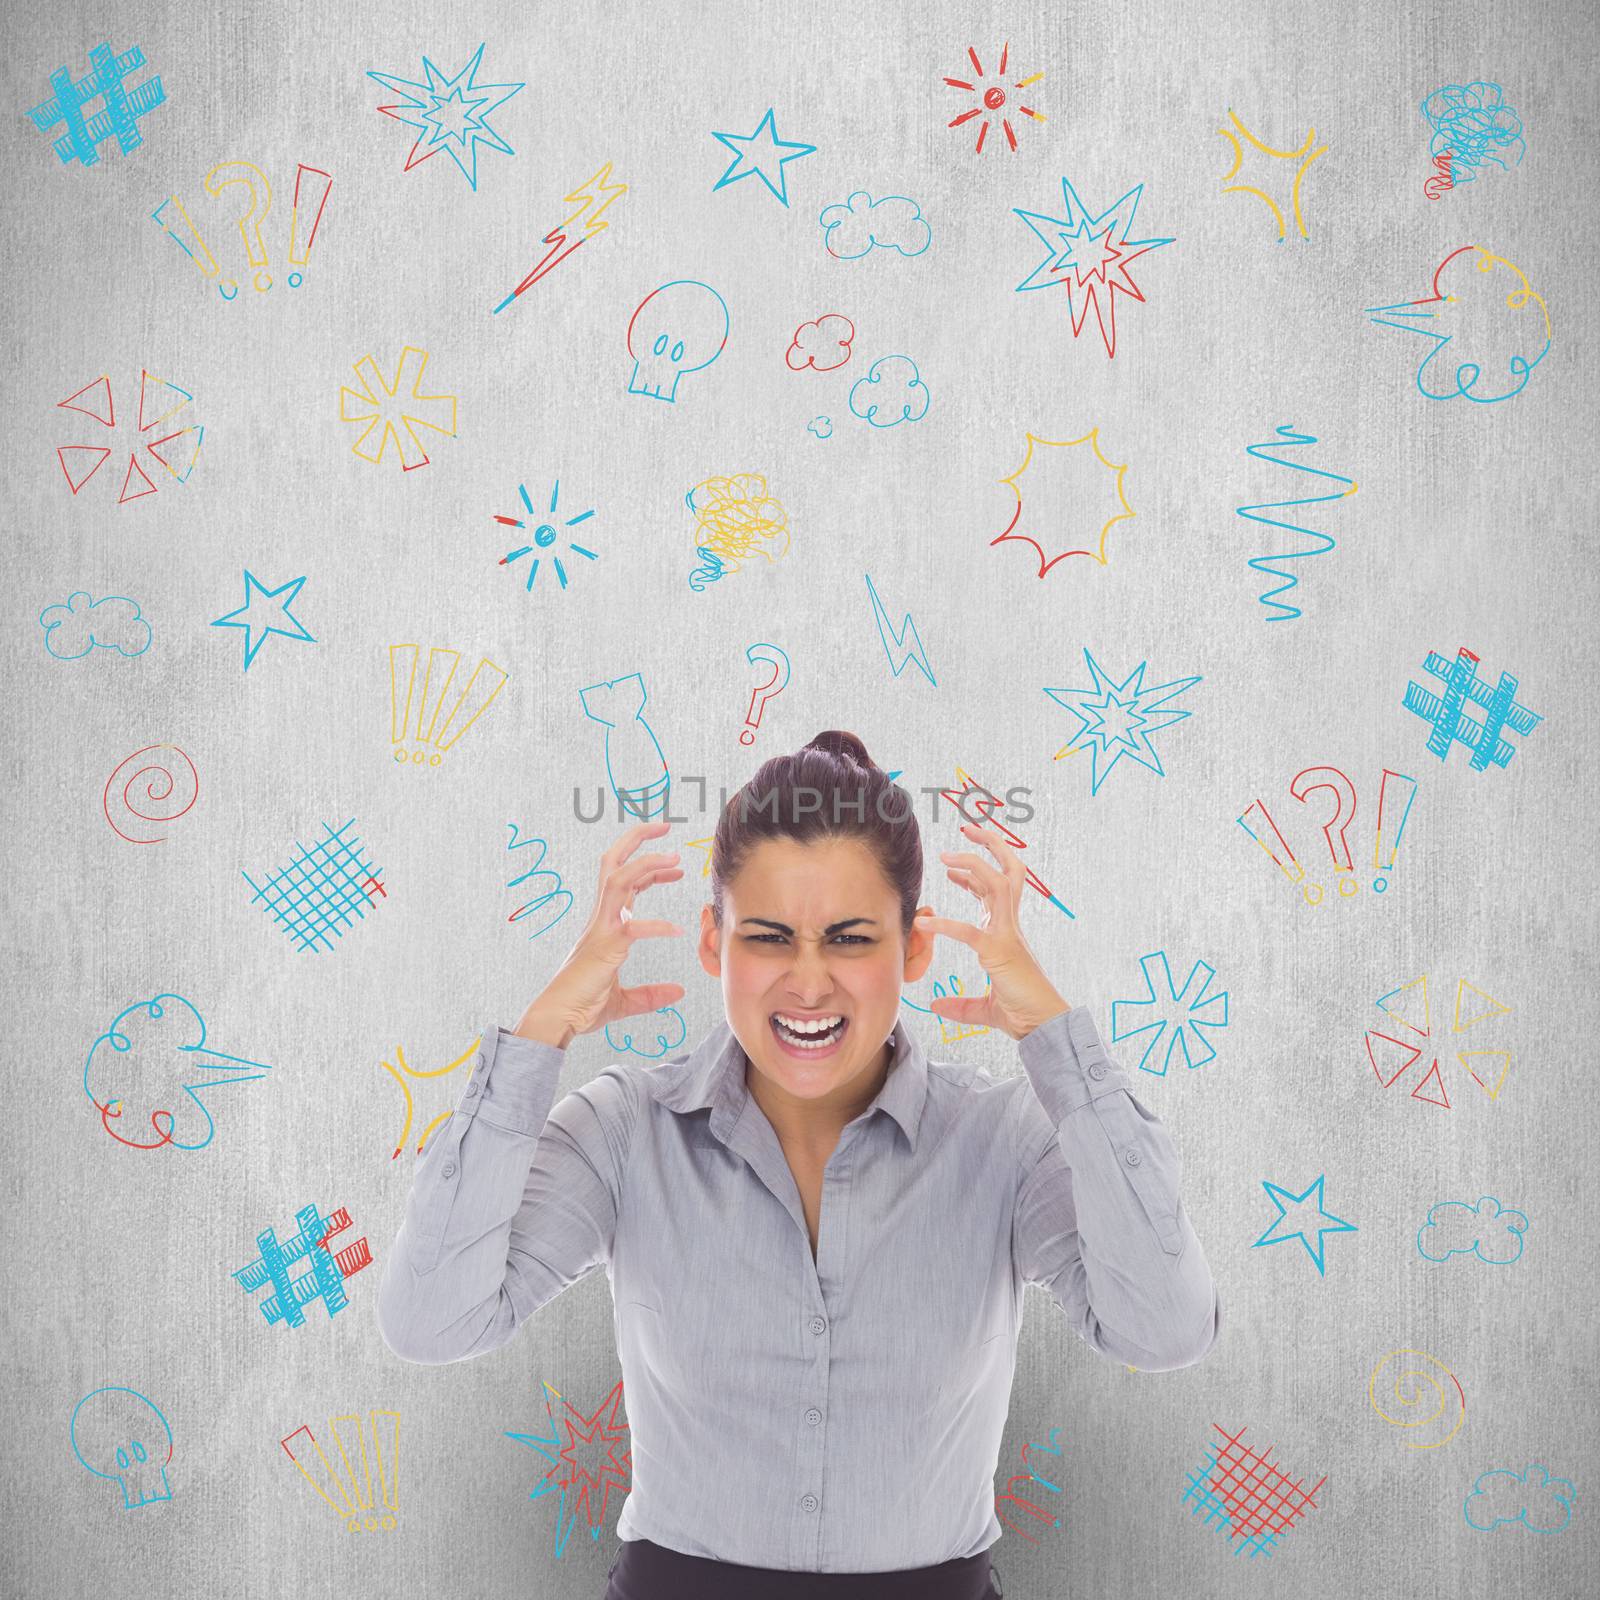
[(597, 191), (1305, 155)]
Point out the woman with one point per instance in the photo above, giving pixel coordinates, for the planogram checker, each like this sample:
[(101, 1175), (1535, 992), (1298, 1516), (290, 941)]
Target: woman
[(817, 1240)]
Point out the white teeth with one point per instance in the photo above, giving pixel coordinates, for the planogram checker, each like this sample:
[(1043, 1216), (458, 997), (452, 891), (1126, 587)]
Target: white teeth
[(796, 1033), (813, 1025)]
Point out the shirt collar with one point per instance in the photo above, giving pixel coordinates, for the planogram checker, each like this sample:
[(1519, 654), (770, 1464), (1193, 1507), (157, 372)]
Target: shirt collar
[(713, 1075)]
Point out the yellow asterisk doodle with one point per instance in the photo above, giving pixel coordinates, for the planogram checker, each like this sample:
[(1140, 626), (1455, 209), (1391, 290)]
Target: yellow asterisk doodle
[(1238, 136), (396, 410)]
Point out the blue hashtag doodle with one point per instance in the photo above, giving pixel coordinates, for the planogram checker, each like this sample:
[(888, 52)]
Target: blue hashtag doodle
[(317, 896), (322, 1280), (118, 118), (1447, 712)]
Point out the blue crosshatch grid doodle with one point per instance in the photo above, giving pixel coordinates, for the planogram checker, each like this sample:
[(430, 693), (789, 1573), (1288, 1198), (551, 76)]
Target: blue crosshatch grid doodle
[(119, 117), (319, 894), (322, 1279)]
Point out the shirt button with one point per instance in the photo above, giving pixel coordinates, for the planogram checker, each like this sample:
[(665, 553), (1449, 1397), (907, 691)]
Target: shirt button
[(809, 1502), (818, 1324), (449, 1169), (1097, 1071), (1132, 1158), (472, 1089), (813, 1416)]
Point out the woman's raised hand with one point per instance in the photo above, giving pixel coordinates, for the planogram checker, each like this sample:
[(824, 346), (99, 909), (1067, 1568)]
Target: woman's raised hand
[(587, 992)]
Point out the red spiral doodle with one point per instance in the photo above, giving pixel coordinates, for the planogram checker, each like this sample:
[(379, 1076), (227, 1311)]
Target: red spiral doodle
[(160, 786)]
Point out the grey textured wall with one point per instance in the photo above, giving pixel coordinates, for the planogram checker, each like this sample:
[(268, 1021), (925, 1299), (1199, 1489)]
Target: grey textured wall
[(1471, 525)]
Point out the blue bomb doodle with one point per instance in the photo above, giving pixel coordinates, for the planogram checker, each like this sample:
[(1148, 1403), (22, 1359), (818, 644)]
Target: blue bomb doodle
[(1533, 1499), (545, 534), (148, 1075), (120, 108), (80, 624), (635, 766), (1274, 173), (1243, 1494), (367, 1501), (1480, 320), (588, 1456), (860, 225), (891, 393), (893, 639), (324, 1272), (1117, 719), (448, 113), (169, 454), (323, 891), (120, 1435), (1171, 1022), (675, 330), (1304, 1217), (1089, 256), (1484, 1230), (1392, 1053), (1473, 129), (1320, 543), (1453, 723), (425, 719), (535, 871), (651, 1036), (760, 154), (265, 612)]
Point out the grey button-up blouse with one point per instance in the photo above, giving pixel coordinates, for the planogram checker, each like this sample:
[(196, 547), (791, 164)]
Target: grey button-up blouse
[(836, 1415)]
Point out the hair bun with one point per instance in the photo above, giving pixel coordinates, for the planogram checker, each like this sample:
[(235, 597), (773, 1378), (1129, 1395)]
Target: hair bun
[(839, 743)]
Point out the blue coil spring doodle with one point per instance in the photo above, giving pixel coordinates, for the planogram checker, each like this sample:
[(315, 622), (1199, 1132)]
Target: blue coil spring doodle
[(1323, 542)]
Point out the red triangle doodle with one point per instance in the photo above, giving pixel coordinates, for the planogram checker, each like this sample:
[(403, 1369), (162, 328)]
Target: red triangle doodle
[(138, 494), (98, 451), (109, 417), (1409, 1052), (1439, 1099)]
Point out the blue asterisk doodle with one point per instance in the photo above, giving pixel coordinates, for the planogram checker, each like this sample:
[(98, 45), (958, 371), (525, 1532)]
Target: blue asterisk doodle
[(451, 113), (1150, 1018), (1309, 1224), (258, 618), (1114, 727), (749, 158)]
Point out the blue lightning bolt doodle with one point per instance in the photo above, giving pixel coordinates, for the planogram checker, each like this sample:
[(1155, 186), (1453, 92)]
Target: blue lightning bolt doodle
[(259, 619), (1325, 542), (544, 535), (315, 897), (1084, 256), (1447, 713), (1310, 1225), (561, 245), (751, 158), (118, 119), (1120, 727), (452, 115), (1180, 1042), (899, 653), (322, 1280)]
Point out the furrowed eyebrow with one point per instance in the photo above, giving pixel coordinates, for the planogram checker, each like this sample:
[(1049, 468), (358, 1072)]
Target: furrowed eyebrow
[(833, 927)]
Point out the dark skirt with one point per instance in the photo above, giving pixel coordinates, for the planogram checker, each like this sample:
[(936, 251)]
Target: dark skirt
[(646, 1571)]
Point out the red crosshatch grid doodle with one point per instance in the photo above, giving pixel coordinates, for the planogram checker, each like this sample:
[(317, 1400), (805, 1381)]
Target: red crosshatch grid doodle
[(1262, 1503)]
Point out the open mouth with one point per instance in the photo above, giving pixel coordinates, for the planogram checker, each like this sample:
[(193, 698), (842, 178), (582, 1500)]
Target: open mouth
[(808, 1045)]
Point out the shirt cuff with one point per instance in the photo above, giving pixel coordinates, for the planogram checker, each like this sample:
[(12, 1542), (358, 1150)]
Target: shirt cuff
[(513, 1084), (1067, 1064)]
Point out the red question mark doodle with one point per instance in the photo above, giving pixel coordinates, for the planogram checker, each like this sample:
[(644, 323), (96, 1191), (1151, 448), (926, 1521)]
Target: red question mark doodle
[(185, 783), (779, 662), (1308, 782)]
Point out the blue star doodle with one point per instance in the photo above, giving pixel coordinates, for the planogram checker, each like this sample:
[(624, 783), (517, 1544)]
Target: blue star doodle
[(1114, 727), (450, 114), (749, 159), (1334, 1224), (1451, 724), (259, 619), (1148, 1016), (1089, 254)]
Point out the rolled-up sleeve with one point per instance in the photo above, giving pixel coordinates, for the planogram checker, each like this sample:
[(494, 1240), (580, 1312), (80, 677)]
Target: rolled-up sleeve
[(511, 1202), (1099, 1222)]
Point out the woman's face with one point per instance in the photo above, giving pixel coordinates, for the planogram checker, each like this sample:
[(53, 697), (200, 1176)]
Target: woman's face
[(812, 931)]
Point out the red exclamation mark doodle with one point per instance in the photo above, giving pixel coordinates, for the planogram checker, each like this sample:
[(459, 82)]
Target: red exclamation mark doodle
[(313, 196), (1394, 797)]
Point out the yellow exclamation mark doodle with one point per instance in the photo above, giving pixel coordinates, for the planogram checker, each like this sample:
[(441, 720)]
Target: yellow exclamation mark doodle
[(1391, 798), (432, 724)]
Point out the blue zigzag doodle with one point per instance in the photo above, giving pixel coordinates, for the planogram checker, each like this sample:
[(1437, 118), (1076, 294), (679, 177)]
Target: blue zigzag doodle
[(1154, 1006), (900, 654), (1325, 542), (631, 745), (623, 1039), (548, 873)]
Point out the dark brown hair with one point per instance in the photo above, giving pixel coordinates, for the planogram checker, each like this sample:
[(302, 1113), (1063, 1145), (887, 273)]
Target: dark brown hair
[(830, 788)]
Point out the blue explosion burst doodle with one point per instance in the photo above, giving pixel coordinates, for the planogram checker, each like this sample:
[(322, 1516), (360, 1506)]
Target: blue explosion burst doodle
[(1199, 1009), (451, 114), (1473, 122), (1115, 727)]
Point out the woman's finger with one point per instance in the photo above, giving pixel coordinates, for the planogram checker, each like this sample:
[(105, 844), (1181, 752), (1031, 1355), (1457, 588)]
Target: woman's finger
[(964, 931), (647, 997), (1010, 861), (624, 882), (650, 928), (625, 844)]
